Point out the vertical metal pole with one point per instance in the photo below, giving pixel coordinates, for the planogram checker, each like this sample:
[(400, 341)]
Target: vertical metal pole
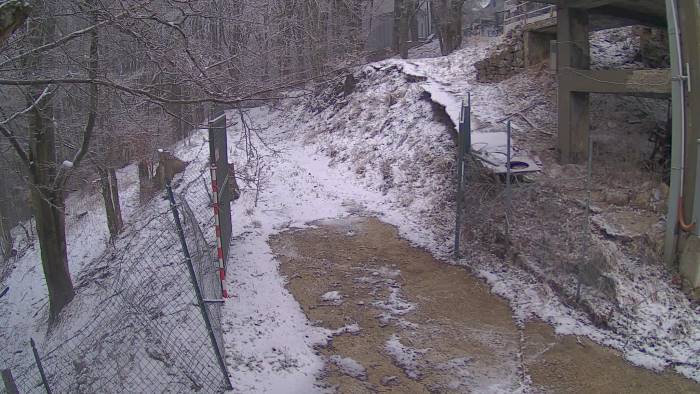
[(463, 140), (9, 381), (696, 201), (508, 187), (678, 133), (587, 229), (198, 293), (39, 366)]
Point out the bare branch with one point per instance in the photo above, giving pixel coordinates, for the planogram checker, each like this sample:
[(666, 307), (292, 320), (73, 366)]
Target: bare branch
[(45, 95), (15, 144)]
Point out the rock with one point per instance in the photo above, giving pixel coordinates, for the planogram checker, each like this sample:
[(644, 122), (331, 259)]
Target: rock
[(389, 381), (168, 167)]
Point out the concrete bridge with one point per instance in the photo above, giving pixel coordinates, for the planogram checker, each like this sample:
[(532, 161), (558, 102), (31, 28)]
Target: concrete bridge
[(568, 27)]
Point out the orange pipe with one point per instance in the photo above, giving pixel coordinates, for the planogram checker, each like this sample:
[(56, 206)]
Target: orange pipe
[(681, 218)]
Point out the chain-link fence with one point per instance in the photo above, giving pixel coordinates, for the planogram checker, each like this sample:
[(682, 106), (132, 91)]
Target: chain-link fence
[(526, 219), (144, 327)]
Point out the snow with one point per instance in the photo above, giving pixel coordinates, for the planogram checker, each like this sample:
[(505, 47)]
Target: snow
[(405, 357), (365, 151), (353, 328), (332, 296), (395, 305), (25, 306), (269, 342), (349, 367), (392, 161)]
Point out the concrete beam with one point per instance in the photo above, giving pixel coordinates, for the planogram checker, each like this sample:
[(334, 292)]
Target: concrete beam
[(631, 82), (627, 12)]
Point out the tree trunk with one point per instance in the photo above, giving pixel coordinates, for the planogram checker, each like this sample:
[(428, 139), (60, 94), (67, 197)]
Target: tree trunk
[(48, 203), (6, 242), (403, 28), (51, 231), (355, 25), (110, 195), (413, 23), (145, 169), (396, 28), (114, 188), (447, 17), (45, 189)]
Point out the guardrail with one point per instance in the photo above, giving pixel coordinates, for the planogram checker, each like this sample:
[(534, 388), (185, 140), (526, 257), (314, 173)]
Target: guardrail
[(519, 13)]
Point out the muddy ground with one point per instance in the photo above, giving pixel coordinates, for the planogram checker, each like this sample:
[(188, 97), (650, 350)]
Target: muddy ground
[(408, 323)]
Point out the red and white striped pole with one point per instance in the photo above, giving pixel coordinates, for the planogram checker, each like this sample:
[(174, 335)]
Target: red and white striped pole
[(217, 228)]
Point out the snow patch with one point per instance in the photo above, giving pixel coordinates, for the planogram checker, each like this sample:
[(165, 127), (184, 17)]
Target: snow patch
[(406, 358), (349, 367), (332, 296)]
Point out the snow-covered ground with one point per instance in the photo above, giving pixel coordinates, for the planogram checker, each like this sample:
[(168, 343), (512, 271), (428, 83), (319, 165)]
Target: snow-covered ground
[(383, 149)]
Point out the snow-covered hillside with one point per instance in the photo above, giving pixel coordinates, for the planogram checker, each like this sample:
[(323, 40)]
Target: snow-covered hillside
[(382, 147)]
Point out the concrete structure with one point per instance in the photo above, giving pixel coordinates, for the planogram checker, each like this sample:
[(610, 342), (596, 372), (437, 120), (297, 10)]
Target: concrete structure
[(689, 15), (575, 20)]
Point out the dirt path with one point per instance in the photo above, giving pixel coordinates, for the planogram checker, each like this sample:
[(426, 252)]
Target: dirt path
[(406, 322)]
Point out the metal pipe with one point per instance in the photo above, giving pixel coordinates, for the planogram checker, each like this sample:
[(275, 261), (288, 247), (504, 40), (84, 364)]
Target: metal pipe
[(508, 187), (463, 146), (678, 134)]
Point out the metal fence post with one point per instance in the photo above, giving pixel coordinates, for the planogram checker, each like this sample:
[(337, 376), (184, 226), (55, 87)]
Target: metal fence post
[(37, 359), (508, 185), (463, 147), (221, 192), (198, 293), (9, 381)]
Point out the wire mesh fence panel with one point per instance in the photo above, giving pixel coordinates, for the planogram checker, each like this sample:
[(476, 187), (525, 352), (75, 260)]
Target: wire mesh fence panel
[(27, 380), (206, 269), (137, 326), (540, 231)]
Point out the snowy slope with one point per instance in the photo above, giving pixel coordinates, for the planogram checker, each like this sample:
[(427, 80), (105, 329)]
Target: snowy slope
[(384, 149), (387, 137)]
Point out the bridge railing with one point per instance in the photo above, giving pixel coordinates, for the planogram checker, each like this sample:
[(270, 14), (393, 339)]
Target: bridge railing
[(525, 12)]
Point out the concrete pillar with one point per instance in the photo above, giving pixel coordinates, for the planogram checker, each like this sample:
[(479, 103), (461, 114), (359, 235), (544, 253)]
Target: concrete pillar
[(573, 113), (689, 14), (536, 47)]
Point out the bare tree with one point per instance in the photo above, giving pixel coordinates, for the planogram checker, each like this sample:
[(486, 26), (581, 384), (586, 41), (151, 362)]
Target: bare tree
[(447, 17), (111, 81)]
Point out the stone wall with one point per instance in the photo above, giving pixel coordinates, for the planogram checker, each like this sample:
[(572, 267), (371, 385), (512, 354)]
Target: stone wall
[(506, 60)]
